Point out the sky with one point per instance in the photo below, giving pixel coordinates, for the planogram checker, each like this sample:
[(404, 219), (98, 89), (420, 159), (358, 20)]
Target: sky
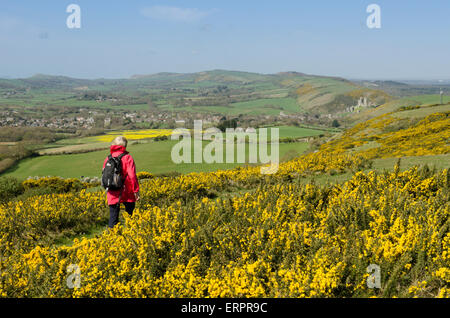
[(118, 39)]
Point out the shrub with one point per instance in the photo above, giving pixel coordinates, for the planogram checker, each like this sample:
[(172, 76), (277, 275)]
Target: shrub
[(57, 184), (335, 123), (144, 175), (7, 163), (9, 188), (33, 193), (160, 138)]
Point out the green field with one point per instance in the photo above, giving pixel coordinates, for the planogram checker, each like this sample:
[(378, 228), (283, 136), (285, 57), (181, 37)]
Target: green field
[(153, 157), (299, 132), (291, 132), (61, 158), (265, 106)]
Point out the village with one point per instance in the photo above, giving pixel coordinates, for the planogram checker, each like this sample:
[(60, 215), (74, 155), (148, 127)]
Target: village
[(85, 118), (88, 118)]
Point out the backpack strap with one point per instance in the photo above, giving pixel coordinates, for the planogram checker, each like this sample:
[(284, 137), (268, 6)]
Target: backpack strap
[(121, 190), (119, 157)]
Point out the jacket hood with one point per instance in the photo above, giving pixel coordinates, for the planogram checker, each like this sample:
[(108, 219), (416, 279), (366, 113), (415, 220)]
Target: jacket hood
[(118, 149)]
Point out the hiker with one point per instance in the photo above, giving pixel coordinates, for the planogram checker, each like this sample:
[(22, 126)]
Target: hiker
[(120, 190)]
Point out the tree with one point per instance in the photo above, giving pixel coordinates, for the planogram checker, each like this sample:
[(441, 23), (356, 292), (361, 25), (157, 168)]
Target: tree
[(335, 123), (230, 123)]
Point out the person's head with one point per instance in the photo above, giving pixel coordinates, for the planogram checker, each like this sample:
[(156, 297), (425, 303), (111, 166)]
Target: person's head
[(120, 141)]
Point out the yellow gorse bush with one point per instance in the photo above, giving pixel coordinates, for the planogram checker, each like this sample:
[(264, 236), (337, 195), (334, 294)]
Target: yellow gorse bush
[(282, 239), (56, 184), (44, 218), (429, 136)]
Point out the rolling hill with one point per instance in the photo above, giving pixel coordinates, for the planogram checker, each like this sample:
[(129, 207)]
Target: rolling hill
[(216, 91)]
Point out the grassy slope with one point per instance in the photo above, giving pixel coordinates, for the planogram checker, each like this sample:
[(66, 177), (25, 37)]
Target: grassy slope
[(386, 164), (422, 112), (394, 105), (323, 91)]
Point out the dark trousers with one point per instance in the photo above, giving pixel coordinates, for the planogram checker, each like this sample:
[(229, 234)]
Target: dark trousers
[(115, 209)]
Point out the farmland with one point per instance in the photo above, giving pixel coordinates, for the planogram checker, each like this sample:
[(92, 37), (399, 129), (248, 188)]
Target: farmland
[(218, 91), (151, 156)]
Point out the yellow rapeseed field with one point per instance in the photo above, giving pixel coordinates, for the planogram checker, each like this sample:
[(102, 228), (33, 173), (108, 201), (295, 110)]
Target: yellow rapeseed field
[(134, 134)]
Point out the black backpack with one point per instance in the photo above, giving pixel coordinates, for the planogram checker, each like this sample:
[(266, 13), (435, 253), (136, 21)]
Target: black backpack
[(112, 178)]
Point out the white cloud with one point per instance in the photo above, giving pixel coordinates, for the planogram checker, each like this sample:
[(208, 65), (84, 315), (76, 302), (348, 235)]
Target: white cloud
[(175, 13)]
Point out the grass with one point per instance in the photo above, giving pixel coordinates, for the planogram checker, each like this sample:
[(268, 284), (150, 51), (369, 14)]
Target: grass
[(264, 106), (437, 161), (92, 232), (153, 157), (422, 111), (428, 99), (290, 132), (298, 132), (74, 148)]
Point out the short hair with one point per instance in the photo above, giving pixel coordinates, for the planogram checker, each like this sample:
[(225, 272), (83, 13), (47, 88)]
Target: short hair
[(120, 141)]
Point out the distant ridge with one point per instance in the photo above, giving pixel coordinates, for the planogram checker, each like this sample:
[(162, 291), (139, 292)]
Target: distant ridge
[(139, 76), (283, 92)]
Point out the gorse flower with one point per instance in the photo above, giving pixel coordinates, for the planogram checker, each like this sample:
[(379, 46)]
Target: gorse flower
[(282, 239)]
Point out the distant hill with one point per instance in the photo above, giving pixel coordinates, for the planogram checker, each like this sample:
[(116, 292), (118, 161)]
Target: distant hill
[(218, 91), (406, 88)]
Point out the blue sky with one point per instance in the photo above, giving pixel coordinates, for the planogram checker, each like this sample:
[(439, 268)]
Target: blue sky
[(326, 37)]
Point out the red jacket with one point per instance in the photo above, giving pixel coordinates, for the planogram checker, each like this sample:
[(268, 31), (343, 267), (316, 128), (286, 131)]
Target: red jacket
[(129, 172)]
